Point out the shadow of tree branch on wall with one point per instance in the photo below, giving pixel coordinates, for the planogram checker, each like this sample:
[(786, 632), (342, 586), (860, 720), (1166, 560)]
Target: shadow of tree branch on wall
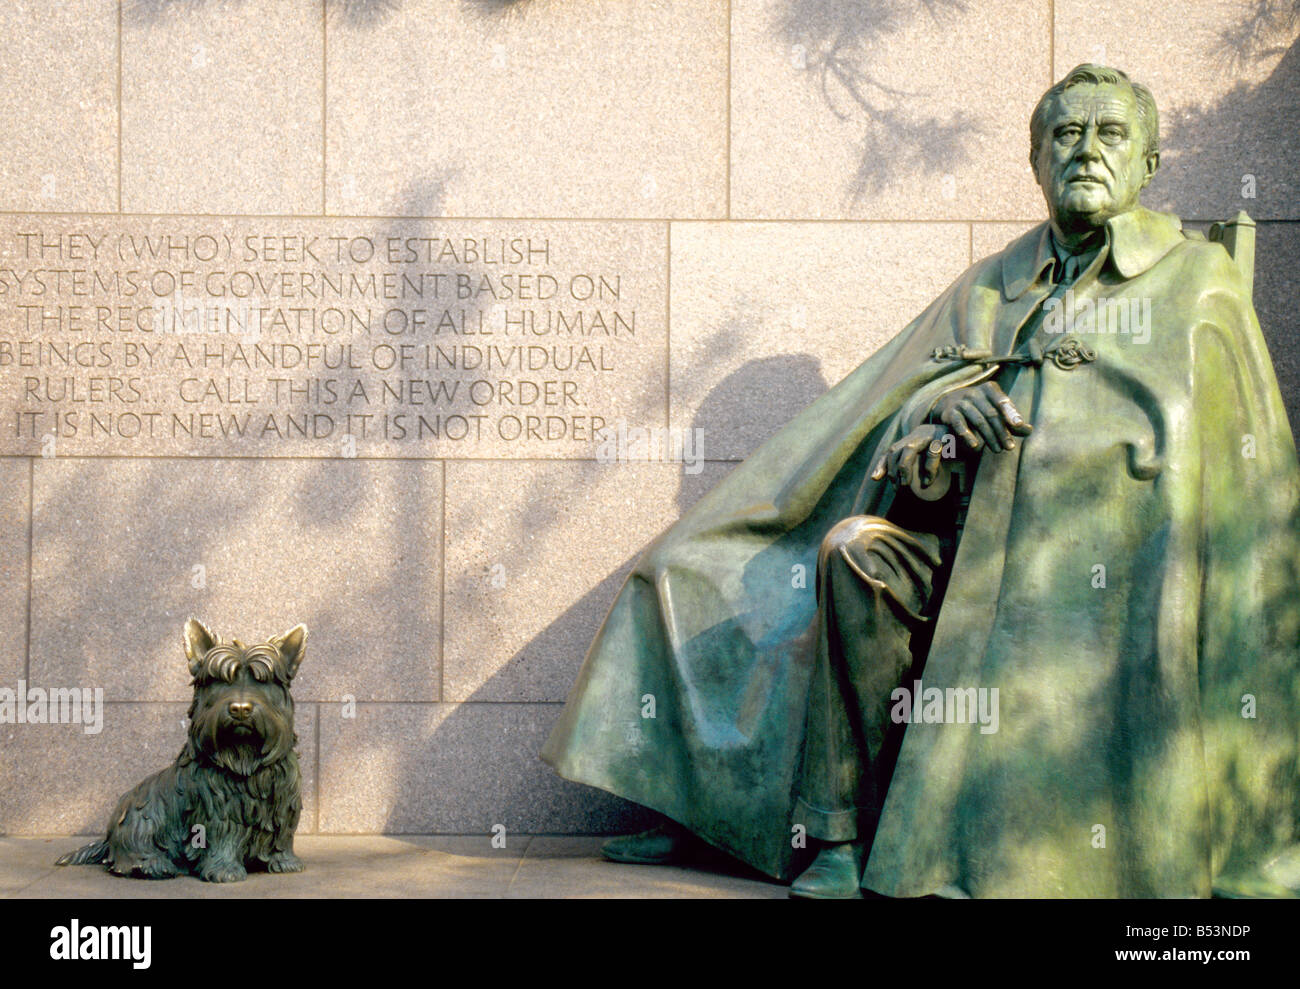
[(371, 13), (1241, 150), (835, 42), (1260, 34), (494, 8), (1240, 147), (363, 13), (146, 12)]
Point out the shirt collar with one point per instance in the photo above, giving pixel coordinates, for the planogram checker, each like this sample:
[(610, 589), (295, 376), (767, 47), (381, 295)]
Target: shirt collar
[(1062, 252), (1136, 239)]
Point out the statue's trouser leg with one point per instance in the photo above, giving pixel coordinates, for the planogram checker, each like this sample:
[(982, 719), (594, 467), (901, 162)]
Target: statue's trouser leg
[(874, 581)]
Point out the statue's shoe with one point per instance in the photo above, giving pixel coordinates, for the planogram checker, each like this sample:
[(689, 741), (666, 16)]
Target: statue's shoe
[(663, 845), (834, 875)]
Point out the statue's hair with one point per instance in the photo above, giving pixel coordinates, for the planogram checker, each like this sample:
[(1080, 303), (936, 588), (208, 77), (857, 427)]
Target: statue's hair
[(1096, 75), (222, 662)]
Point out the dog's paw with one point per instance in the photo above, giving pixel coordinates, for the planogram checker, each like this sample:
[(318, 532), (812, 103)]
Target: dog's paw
[(222, 872), (145, 869), (284, 862)]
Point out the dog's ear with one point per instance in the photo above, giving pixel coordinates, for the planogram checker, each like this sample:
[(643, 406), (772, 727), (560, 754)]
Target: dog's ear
[(198, 640), (292, 646)]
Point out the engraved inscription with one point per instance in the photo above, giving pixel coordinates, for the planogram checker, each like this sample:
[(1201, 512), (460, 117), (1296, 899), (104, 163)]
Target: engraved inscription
[(279, 337)]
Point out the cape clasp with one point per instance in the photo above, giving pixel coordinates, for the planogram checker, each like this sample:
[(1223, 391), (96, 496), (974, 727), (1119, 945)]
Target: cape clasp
[(1067, 355)]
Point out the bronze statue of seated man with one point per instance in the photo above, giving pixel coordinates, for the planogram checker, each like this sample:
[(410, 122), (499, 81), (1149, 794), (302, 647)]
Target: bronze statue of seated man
[(1052, 642)]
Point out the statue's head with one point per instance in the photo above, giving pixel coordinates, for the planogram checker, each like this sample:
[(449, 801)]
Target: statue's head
[(1094, 146)]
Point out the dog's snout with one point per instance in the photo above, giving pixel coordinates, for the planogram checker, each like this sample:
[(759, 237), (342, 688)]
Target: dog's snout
[(241, 710)]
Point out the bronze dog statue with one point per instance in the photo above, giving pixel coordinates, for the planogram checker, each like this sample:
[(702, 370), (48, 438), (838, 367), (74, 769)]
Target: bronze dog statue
[(231, 801)]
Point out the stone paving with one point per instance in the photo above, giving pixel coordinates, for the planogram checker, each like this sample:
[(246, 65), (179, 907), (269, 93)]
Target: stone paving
[(466, 866)]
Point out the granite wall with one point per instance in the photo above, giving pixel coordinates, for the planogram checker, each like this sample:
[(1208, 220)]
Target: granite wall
[(309, 311)]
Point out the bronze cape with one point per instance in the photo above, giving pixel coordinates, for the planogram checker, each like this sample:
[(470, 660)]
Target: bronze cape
[(1127, 707)]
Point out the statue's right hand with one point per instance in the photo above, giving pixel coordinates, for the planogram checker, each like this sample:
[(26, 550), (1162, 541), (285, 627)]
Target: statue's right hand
[(922, 449), (982, 414)]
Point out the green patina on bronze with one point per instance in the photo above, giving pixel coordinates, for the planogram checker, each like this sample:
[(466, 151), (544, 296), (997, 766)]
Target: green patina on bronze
[(1161, 704)]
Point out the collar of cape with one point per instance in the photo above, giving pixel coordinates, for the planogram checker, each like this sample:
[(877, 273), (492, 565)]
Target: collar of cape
[(1136, 241)]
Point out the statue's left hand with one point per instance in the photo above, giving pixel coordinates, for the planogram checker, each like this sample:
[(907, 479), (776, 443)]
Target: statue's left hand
[(921, 449), (983, 414)]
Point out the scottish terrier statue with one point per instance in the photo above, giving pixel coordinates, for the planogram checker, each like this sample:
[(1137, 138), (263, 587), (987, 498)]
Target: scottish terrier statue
[(231, 801)]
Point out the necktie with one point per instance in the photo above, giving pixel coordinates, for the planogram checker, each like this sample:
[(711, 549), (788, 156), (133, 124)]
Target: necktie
[(1064, 274), (1072, 267)]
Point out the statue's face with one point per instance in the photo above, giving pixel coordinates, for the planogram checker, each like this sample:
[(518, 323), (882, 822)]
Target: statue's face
[(1092, 164)]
